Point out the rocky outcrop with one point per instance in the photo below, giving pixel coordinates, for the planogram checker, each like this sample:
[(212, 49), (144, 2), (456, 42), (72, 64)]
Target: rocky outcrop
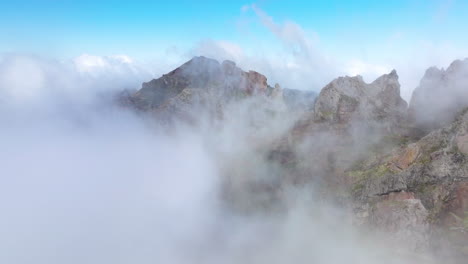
[(434, 169), (350, 99), (403, 218), (440, 95), (350, 115), (413, 188), (205, 85), (200, 73)]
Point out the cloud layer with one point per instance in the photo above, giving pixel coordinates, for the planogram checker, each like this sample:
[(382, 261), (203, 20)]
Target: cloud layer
[(83, 181)]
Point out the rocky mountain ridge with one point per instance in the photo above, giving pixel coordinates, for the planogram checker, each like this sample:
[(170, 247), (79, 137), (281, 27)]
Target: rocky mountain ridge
[(356, 139), (224, 81)]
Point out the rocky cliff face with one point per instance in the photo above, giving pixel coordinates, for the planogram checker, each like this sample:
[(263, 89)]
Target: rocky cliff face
[(432, 173), (414, 189), (349, 116), (350, 99)]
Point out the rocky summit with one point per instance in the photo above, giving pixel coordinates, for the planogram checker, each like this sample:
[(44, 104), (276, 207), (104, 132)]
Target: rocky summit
[(204, 85), (355, 140), (200, 73), (347, 98)]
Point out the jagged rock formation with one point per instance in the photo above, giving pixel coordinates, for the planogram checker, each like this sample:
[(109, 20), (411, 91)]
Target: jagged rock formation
[(416, 190), (204, 84), (440, 95), (349, 116), (349, 99), (199, 73)]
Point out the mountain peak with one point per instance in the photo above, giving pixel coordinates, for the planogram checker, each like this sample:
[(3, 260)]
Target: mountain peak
[(200, 73), (347, 97)]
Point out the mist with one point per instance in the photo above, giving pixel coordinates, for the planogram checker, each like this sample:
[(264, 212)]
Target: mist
[(84, 180)]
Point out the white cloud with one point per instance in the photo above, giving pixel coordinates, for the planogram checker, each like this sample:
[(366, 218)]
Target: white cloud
[(219, 50), (371, 71), (33, 79), (303, 45), (24, 74), (86, 182), (86, 63), (115, 64), (305, 64)]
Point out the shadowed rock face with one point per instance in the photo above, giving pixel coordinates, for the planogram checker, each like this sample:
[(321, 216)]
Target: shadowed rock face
[(440, 95), (349, 99)]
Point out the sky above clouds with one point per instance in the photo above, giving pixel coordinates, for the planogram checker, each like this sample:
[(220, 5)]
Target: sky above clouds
[(299, 44)]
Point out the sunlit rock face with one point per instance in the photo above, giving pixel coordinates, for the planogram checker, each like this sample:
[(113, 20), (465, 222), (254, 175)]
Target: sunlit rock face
[(440, 95), (200, 73), (348, 99), (204, 86)]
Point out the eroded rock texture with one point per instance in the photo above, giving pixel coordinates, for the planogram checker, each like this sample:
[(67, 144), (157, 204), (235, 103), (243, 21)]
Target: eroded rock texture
[(349, 99), (435, 170)]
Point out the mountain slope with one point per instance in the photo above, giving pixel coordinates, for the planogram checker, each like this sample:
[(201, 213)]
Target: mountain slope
[(355, 141)]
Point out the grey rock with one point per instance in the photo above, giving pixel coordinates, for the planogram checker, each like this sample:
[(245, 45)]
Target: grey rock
[(200, 73), (349, 99), (434, 171)]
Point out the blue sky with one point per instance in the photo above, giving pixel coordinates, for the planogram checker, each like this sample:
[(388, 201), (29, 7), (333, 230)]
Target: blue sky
[(375, 35), (64, 27)]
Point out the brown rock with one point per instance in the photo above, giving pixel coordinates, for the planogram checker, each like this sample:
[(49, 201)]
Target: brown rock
[(256, 82), (405, 159), (225, 79), (457, 207)]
